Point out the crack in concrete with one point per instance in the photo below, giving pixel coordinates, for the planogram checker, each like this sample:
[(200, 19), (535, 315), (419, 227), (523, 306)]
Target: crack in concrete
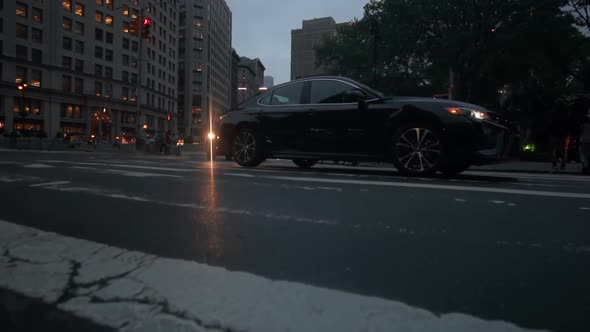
[(166, 308), (73, 288)]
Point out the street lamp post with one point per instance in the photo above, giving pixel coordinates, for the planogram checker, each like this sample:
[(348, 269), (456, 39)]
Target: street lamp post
[(21, 87)]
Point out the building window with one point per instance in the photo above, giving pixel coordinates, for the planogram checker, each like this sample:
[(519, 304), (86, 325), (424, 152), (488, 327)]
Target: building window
[(67, 5), (79, 66), (98, 17), (21, 75), (66, 62), (98, 34), (134, 13), (22, 31), (125, 76), (79, 9), (126, 27), (126, 11), (125, 93), (98, 70), (99, 2), (36, 56), (98, 52), (37, 35), (108, 55), (37, 15), (79, 86), (109, 37), (79, 28), (108, 72), (126, 43), (133, 78), (79, 46), (125, 59), (22, 52), (71, 111), (109, 4), (108, 20), (66, 43), (134, 46), (67, 24), (66, 83), (21, 9), (98, 88), (36, 78)]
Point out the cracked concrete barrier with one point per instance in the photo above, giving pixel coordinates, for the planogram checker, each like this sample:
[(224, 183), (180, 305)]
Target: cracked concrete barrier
[(131, 291)]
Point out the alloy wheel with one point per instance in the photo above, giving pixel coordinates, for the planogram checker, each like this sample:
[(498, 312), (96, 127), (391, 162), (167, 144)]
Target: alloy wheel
[(418, 150), (244, 147)]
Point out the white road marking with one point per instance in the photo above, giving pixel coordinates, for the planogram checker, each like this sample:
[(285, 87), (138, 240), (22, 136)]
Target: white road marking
[(126, 166), (38, 166), (243, 175), (48, 265), (55, 183), (497, 202), (533, 176), (435, 186), (460, 200), (584, 208)]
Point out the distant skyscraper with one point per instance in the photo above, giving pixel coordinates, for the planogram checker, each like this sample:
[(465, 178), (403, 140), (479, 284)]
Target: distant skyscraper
[(204, 63), (269, 81), (303, 42)]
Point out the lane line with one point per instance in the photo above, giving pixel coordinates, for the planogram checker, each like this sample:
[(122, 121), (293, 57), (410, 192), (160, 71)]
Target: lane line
[(55, 183), (127, 166), (70, 273), (435, 186)]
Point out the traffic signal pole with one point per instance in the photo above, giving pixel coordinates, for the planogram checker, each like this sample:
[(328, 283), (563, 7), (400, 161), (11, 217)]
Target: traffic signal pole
[(138, 114)]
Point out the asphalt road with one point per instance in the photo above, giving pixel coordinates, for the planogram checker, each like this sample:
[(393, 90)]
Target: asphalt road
[(498, 246)]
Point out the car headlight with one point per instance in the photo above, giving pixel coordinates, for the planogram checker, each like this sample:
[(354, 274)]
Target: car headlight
[(479, 115), (211, 136)]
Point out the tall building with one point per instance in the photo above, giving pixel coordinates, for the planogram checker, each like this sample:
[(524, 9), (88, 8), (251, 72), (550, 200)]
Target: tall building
[(303, 42), (269, 81), (250, 78), (204, 66), (235, 62), (80, 63)]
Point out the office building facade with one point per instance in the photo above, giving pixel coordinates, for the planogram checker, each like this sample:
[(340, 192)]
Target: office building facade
[(204, 66), (80, 63), (303, 42)]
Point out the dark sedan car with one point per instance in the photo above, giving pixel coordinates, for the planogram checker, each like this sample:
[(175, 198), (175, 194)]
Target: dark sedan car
[(335, 118)]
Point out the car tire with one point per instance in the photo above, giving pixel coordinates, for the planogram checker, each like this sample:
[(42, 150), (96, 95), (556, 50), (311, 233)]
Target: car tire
[(247, 148), (418, 149), (305, 163)]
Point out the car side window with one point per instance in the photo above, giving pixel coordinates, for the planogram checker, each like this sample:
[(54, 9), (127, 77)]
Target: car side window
[(287, 95), (266, 99), (333, 92)]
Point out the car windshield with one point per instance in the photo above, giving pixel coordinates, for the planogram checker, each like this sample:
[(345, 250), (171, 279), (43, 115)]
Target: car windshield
[(238, 165)]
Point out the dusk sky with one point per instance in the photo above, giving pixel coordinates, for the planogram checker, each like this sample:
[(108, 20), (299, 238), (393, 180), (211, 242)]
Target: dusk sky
[(262, 28)]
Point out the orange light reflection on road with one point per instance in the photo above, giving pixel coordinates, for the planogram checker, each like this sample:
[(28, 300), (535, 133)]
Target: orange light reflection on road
[(211, 219)]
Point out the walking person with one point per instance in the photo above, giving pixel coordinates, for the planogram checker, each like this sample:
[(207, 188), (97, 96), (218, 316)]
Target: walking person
[(584, 143), (558, 132)]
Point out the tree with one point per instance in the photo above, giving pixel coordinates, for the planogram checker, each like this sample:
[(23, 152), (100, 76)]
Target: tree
[(486, 43)]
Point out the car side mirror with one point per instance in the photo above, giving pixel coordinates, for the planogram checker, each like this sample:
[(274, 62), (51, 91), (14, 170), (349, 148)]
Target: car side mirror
[(355, 95)]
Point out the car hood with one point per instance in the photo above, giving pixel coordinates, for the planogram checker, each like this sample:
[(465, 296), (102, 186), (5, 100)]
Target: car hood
[(442, 102)]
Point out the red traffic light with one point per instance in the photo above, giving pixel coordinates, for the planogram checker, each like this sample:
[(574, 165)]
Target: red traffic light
[(169, 117), (147, 21)]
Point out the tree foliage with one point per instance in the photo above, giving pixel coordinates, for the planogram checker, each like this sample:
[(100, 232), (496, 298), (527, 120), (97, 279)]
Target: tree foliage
[(412, 45)]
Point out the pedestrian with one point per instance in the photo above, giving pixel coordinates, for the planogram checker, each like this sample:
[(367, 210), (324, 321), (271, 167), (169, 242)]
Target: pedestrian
[(584, 143), (558, 132)]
